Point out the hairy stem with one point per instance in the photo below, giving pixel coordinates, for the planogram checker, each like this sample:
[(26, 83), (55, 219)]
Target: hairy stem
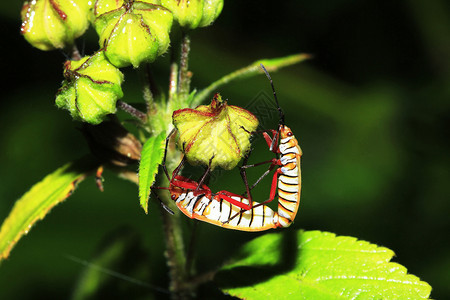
[(201, 279), (184, 76), (173, 85), (132, 111), (175, 254)]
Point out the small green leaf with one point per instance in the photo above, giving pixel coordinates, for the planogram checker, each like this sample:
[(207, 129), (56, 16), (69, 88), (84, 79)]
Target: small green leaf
[(37, 202), (250, 70), (151, 156), (318, 265)]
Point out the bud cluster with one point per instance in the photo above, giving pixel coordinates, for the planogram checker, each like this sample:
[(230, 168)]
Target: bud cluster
[(131, 32)]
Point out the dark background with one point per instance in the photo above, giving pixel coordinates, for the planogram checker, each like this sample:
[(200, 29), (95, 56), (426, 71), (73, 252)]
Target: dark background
[(370, 111)]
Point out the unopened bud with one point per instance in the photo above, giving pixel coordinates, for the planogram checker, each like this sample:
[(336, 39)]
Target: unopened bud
[(218, 131), (91, 88), (194, 13), (136, 32), (54, 24)]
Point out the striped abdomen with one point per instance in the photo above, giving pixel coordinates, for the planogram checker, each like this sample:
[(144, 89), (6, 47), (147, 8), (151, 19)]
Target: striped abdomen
[(289, 180), (217, 211)]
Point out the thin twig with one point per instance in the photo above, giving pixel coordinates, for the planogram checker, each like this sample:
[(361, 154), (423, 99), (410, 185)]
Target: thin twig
[(132, 111), (200, 279)]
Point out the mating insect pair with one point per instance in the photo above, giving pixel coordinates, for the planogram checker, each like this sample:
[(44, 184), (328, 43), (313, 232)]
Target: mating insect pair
[(234, 211)]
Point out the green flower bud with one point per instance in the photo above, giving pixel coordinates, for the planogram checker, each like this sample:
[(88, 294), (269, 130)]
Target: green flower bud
[(134, 33), (219, 131), (91, 88), (194, 13), (54, 24)]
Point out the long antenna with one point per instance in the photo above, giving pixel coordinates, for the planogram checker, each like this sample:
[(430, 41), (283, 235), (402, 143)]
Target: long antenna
[(274, 95)]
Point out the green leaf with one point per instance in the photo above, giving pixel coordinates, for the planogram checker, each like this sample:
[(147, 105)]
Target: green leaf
[(37, 202), (253, 69), (151, 156), (317, 265)]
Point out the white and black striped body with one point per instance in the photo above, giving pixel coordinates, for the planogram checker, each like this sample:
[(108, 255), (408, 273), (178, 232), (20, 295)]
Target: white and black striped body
[(289, 178), (215, 209), (201, 205)]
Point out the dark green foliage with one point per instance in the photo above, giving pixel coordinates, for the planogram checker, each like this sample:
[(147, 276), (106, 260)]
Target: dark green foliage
[(370, 111)]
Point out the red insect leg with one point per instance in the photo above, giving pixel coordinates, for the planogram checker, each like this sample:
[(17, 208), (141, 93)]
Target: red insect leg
[(188, 184), (225, 195), (272, 142), (273, 188)]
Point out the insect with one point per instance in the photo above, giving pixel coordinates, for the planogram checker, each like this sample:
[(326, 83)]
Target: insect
[(197, 201), (287, 176), (216, 209), (234, 211)]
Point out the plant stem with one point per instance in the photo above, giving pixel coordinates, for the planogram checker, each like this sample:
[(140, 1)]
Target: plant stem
[(184, 77), (173, 84), (175, 254), (201, 279), (132, 111)]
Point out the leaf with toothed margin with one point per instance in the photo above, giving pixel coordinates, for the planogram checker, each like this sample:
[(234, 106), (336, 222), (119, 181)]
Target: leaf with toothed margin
[(151, 157), (40, 199), (317, 265)]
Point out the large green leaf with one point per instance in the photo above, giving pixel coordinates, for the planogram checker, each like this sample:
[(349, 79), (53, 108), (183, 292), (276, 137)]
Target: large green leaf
[(37, 202), (151, 156), (250, 70), (317, 265)]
